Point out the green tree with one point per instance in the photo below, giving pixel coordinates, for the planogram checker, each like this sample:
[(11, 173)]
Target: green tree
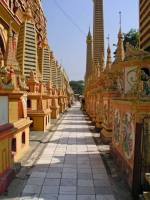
[(77, 86), (132, 37)]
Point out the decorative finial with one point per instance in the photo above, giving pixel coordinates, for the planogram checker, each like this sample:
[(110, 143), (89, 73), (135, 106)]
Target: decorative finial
[(120, 47), (108, 49), (120, 32), (89, 37), (108, 39), (120, 18)]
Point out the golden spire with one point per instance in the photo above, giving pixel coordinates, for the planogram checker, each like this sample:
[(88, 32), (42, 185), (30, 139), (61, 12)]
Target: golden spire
[(9, 56), (120, 47), (32, 76), (108, 62), (48, 86), (89, 37)]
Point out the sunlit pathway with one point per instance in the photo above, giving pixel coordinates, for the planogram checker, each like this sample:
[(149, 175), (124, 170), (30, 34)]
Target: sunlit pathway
[(70, 167)]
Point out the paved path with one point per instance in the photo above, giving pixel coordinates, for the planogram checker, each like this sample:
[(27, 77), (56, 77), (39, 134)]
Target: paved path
[(70, 167)]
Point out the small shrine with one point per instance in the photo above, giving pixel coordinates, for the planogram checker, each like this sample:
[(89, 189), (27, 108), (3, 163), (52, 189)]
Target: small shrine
[(38, 104), (117, 98), (14, 123), (132, 106)]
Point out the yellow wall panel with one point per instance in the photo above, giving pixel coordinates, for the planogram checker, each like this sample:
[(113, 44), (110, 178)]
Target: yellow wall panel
[(34, 104), (13, 110), (4, 155)]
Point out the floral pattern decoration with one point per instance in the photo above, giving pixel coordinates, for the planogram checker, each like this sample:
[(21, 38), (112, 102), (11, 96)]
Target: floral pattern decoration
[(117, 127), (128, 135)]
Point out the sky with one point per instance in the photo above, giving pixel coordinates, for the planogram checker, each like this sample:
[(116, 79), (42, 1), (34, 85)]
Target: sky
[(67, 35)]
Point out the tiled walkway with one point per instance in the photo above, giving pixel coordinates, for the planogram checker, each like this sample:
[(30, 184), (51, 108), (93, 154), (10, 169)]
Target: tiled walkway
[(70, 167)]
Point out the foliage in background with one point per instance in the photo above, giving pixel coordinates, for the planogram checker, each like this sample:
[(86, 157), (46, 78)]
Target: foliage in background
[(132, 37), (77, 86)]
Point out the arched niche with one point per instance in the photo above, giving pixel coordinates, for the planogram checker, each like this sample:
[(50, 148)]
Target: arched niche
[(23, 138), (13, 146)]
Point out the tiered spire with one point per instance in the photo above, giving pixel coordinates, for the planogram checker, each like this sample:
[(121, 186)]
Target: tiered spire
[(108, 62), (89, 37), (9, 57), (120, 48), (88, 56), (32, 77)]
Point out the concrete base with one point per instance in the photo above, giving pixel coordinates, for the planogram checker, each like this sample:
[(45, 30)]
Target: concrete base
[(98, 127), (106, 134), (105, 140), (98, 130), (61, 108), (6, 179), (94, 121), (55, 112), (122, 165)]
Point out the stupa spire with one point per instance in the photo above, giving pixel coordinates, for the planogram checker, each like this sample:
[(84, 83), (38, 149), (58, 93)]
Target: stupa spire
[(120, 47), (108, 62), (89, 37), (9, 56), (88, 56)]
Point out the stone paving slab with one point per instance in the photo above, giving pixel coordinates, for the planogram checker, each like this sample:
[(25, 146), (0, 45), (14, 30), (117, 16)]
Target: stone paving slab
[(70, 167)]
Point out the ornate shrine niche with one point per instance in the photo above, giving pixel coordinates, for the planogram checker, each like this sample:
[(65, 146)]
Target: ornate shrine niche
[(23, 138), (13, 146), (28, 103)]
